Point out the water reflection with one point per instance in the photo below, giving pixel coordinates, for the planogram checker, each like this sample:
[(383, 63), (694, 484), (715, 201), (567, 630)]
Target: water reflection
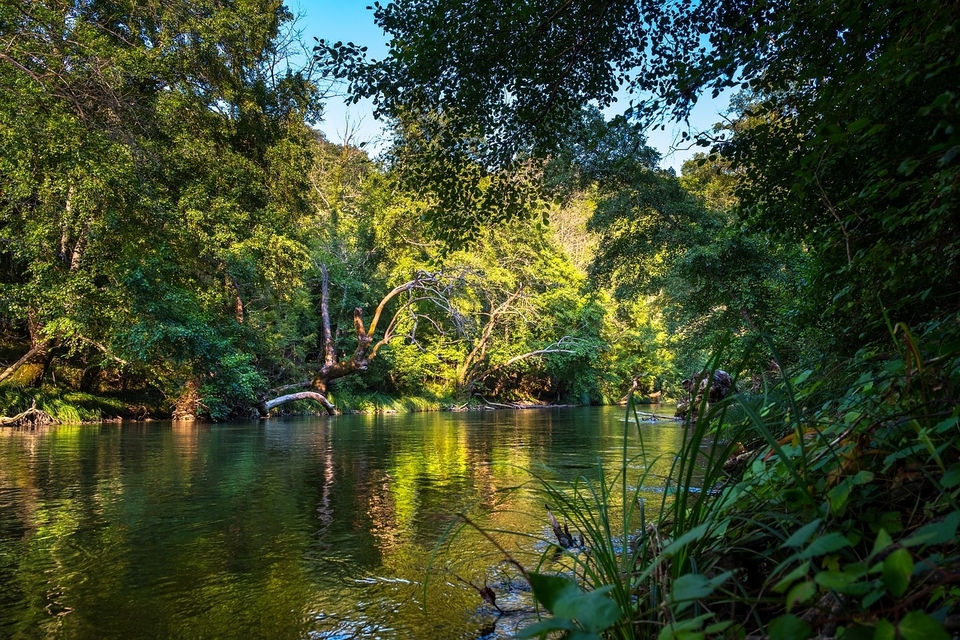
[(318, 528)]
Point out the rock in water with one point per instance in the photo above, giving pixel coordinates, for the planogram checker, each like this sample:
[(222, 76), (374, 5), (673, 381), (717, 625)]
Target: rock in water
[(721, 385)]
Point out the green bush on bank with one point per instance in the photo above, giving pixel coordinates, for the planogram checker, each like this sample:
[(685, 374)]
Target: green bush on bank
[(66, 407)]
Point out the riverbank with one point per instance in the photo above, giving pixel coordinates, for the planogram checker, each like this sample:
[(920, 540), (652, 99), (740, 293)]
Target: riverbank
[(838, 519), (28, 407)]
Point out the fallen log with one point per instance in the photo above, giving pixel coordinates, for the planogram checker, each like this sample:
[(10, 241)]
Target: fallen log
[(33, 417), (656, 416), (267, 405)]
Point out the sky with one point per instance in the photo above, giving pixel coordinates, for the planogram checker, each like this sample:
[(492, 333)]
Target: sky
[(350, 21)]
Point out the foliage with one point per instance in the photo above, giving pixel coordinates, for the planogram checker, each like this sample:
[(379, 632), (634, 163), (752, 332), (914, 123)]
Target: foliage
[(851, 147), (827, 207), (845, 144), (842, 520), (175, 214), (69, 407), (153, 165), (676, 245)]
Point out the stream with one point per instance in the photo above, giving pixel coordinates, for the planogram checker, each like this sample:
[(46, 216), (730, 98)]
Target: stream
[(323, 528)]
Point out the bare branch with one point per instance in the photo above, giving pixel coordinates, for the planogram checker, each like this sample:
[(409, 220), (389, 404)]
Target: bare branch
[(266, 406), (555, 348), (329, 348)]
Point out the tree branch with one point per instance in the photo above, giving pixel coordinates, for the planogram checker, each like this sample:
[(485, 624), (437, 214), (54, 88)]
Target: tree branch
[(516, 359), (267, 405), (39, 349)]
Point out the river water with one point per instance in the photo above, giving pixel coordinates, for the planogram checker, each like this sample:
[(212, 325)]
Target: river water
[(323, 528)]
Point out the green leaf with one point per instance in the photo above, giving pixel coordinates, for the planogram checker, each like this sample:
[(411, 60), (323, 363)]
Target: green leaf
[(935, 532), (691, 586), (671, 633), (718, 627), (838, 497), (690, 536), (549, 589), (883, 541), (952, 477), (685, 629), (950, 424), (789, 627), (917, 625), (791, 577), (545, 626), (871, 598), (856, 125), (592, 609), (884, 630), (827, 544), (897, 569), (801, 535), (834, 579), (801, 593), (856, 632)]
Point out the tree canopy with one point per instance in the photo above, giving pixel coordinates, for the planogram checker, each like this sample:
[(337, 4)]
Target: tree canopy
[(167, 213), (848, 142)]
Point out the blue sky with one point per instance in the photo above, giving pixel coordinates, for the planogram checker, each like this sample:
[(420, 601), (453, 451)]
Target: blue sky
[(349, 20)]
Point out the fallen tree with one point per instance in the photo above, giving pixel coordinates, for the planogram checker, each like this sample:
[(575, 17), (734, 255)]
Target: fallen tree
[(31, 417), (332, 366), (477, 328)]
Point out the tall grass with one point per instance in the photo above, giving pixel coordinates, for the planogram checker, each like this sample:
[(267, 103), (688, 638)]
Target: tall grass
[(374, 402), (66, 408)]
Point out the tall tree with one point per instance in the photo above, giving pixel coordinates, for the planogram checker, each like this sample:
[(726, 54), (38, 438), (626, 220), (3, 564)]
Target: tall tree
[(152, 167), (854, 145)]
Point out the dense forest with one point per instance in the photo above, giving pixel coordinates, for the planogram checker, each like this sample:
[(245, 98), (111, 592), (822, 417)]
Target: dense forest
[(176, 239)]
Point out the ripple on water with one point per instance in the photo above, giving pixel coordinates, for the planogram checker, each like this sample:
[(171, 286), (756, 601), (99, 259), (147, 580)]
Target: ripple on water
[(287, 529)]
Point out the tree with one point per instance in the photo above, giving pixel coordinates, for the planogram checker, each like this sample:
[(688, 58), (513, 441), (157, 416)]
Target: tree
[(853, 147), (152, 167), (333, 366)]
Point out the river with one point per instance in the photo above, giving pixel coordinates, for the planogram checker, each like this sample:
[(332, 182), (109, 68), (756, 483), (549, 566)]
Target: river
[(321, 528)]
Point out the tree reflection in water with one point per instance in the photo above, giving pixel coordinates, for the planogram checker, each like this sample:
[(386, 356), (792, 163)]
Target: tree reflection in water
[(321, 527)]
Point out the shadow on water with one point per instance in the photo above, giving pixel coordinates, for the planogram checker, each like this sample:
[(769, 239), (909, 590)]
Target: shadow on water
[(317, 528)]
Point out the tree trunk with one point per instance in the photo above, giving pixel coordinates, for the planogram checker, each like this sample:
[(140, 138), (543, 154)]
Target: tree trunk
[(39, 349), (89, 378), (267, 405), (46, 359)]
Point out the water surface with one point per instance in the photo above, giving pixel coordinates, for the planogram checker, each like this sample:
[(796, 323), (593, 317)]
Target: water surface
[(306, 528)]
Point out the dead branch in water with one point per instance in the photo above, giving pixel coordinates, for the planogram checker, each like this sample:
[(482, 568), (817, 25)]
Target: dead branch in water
[(31, 417)]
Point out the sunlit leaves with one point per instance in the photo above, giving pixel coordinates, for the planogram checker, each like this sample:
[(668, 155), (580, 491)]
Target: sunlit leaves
[(157, 163)]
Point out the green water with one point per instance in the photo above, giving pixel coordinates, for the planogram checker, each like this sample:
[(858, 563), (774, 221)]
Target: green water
[(307, 528)]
